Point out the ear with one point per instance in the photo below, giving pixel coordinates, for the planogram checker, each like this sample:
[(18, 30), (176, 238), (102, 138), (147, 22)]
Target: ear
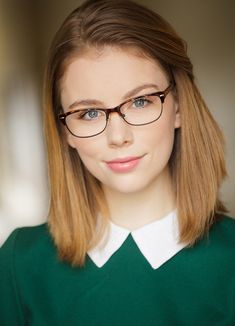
[(70, 139), (177, 116)]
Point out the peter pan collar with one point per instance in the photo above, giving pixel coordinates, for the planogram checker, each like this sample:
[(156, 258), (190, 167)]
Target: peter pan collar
[(157, 241)]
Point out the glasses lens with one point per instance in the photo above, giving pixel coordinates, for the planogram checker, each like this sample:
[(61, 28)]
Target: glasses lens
[(86, 123), (142, 110)]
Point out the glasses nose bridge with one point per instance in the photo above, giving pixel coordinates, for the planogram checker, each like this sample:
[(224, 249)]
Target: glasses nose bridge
[(116, 109)]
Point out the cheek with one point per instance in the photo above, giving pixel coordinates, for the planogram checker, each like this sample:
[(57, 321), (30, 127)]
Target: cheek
[(89, 152), (161, 139), (86, 147), (161, 132), (86, 151)]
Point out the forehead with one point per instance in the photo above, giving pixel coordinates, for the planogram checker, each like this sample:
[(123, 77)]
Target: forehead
[(109, 72), (110, 55)]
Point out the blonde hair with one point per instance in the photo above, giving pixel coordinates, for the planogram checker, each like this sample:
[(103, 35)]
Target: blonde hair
[(197, 162)]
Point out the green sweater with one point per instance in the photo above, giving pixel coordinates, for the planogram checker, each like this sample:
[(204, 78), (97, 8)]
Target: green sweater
[(196, 287)]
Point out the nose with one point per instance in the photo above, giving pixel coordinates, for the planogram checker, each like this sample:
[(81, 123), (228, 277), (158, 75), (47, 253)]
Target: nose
[(118, 132)]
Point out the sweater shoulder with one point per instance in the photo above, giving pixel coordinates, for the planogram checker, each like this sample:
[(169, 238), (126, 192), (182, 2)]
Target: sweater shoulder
[(224, 228), (32, 234), (220, 242), (30, 240)]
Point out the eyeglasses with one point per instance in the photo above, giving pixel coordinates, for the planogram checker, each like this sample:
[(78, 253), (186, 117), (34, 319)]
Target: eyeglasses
[(142, 110)]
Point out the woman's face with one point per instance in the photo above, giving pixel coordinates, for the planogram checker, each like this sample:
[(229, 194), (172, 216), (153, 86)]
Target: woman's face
[(141, 153)]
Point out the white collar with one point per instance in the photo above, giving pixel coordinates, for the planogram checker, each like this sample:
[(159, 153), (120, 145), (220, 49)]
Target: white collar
[(157, 241)]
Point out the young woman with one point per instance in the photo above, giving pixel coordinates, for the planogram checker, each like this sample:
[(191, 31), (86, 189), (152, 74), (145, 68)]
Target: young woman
[(136, 233)]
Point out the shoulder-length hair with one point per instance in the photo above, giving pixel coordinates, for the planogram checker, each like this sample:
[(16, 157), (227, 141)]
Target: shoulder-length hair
[(197, 162)]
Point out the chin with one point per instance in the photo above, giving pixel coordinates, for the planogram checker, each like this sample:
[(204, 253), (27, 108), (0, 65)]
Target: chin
[(128, 186)]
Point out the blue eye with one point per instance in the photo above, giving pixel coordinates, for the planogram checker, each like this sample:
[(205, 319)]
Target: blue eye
[(90, 114), (140, 102)]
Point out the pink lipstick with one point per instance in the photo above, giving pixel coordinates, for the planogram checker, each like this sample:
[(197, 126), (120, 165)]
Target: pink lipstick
[(124, 164)]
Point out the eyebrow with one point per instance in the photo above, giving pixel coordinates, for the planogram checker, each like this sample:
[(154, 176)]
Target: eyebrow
[(129, 94)]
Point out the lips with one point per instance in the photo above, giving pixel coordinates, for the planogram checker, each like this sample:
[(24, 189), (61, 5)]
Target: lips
[(125, 164), (125, 159)]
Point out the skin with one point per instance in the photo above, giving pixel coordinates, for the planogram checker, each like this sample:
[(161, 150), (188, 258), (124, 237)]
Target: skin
[(145, 193)]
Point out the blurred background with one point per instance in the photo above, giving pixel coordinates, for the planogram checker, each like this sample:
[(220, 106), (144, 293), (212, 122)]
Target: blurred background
[(26, 29)]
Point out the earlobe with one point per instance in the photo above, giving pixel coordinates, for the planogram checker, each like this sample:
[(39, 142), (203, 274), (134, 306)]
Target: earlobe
[(177, 117), (68, 137), (70, 140)]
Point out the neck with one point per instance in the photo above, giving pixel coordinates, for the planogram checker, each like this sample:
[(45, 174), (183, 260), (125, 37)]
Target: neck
[(134, 210)]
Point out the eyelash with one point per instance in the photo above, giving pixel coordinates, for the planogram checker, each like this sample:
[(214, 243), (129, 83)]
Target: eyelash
[(83, 114), (144, 98)]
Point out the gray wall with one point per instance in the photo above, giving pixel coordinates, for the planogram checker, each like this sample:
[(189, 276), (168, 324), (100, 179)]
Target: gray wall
[(26, 28)]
